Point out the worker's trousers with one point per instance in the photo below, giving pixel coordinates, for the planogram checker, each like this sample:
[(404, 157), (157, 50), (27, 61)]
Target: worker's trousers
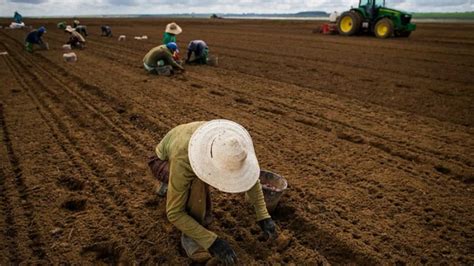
[(199, 203)]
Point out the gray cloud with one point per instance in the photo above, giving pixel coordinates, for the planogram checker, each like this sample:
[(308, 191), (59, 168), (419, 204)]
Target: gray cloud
[(122, 2), (29, 1), (443, 2)]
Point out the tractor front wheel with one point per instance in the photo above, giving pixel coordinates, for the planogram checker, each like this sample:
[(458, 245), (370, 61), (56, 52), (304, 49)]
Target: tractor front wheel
[(349, 23), (384, 28)]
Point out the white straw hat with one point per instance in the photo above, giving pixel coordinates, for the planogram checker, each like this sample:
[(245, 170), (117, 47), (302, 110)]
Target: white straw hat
[(173, 28), (222, 155)]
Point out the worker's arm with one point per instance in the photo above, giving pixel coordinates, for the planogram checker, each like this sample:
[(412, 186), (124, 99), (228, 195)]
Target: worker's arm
[(190, 52), (255, 196), (178, 191), (172, 62), (161, 149)]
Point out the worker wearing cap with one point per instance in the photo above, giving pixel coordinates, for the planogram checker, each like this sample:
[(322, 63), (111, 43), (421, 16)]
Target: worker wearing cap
[(171, 31), (160, 56), (75, 39), (194, 156), (35, 37), (198, 52)]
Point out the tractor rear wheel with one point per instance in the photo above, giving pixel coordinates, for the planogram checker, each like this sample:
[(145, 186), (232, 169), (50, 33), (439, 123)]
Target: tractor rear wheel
[(384, 28), (349, 23)]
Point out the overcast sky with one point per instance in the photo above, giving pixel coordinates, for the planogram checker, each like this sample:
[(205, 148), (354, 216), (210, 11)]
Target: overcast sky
[(96, 7)]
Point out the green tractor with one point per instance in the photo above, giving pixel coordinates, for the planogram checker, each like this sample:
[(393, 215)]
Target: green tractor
[(372, 16)]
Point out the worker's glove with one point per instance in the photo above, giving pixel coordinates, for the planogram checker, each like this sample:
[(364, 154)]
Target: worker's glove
[(223, 252), (269, 228)]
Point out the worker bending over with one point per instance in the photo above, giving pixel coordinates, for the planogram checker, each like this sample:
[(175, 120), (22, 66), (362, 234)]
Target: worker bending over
[(191, 158), (35, 37), (75, 39), (161, 56), (198, 52), (106, 31)]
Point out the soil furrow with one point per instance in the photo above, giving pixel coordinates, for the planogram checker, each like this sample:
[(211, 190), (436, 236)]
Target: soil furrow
[(34, 234)]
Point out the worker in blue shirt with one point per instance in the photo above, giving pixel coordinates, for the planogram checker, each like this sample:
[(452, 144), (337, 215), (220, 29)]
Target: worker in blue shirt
[(35, 37)]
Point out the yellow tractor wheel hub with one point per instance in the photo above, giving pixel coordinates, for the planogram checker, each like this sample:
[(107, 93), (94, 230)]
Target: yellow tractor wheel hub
[(382, 30), (346, 24)]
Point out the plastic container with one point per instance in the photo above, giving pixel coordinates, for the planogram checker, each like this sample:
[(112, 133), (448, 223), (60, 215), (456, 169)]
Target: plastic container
[(213, 60), (273, 186), (70, 57)]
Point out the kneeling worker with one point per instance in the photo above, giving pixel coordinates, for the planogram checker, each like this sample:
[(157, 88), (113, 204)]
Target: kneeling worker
[(75, 40), (160, 56), (198, 52), (190, 158), (35, 37)]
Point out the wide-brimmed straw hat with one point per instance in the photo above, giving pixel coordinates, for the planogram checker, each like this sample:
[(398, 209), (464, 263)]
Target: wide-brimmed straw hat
[(173, 28), (69, 29), (222, 155)]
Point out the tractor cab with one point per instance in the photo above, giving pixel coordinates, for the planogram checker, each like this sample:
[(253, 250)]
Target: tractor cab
[(374, 17), (370, 7)]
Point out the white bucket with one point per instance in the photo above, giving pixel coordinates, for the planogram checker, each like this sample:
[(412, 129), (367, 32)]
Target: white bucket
[(15, 25), (70, 57), (67, 47), (122, 38)]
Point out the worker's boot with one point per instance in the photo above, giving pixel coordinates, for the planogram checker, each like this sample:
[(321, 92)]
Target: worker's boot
[(29, 47), (194, 251)]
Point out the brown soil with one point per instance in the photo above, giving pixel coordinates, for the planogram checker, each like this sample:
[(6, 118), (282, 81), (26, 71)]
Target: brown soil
[(374, 136)]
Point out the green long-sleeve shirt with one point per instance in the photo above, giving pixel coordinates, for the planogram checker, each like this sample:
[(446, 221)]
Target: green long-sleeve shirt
[(168, 37), (174, 148), (160, 53)]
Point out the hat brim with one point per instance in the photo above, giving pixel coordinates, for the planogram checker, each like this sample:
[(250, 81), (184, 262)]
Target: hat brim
[(200, 158), (176, 31)]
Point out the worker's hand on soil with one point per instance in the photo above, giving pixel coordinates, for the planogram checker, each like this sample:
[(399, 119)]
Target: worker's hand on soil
[(223, 252), (269, 228)]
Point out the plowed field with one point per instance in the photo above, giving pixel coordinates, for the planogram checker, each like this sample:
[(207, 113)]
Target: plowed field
[(374, 136)]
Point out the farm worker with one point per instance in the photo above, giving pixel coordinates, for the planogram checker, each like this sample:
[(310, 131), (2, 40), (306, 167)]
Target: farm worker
[(82, 29), (106, 31), (160, 56), (62, 25), (75, 23), (333, 17), (190, 158), (17, 17), (198, 52), (171, 31), (75, 39), (35, 37)]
